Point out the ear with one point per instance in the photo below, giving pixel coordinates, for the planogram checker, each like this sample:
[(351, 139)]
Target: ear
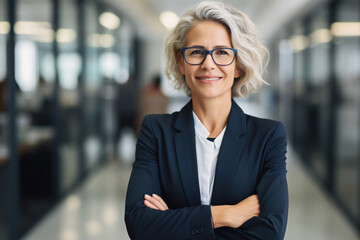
[(180, 61), (237, 72)]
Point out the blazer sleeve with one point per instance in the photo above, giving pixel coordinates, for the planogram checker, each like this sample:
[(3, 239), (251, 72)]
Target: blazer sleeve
[(272, 192), (145, 223)]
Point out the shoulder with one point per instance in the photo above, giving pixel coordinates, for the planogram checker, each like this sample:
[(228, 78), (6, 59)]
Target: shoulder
[(168, 123), (160, 121), (264, 126)]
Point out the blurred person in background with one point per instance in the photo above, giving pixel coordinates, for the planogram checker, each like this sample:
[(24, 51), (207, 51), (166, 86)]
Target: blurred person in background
[(210, 171), (151, 100), (126, 121)]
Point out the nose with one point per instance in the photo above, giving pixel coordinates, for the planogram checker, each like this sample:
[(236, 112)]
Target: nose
[(208, 62)]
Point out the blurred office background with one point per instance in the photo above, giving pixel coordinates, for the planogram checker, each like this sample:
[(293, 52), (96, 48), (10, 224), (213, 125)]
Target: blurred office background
[(76, 76)]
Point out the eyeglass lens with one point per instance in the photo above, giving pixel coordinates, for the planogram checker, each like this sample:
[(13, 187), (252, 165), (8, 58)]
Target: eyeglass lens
[(221, 56)]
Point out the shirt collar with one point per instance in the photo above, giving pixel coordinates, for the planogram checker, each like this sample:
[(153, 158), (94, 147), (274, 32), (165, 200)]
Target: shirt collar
[(203, 133)]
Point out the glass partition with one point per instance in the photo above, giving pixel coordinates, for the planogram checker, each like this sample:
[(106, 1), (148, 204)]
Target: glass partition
[(127, 98), (347, 136), (51, 146), (34, 65), (299, 43), (4, 148), (69, 65), (109, 72), (93, 144), (318, 89), (34, 120), (4, 28), (325, 117)]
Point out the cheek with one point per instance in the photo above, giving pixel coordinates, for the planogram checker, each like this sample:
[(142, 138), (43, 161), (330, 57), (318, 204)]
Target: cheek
[(188, 80), (188, 71), (231, 72)]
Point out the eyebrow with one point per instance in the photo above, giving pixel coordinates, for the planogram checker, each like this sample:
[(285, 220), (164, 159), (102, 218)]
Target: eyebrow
[(218, 46)]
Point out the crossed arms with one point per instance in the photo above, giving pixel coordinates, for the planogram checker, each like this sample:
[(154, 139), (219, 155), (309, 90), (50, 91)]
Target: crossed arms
[(260, 216)]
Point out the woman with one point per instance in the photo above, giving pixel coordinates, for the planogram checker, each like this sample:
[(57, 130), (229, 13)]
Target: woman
[(210, 171)]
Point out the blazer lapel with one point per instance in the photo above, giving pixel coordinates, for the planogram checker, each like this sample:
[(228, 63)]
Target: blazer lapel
[(229, 155), (185, 149)]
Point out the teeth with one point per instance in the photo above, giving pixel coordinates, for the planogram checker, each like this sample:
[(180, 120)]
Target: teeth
[(209, 79)]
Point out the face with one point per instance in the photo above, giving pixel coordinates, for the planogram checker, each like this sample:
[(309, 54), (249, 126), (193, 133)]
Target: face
[(209, 80)]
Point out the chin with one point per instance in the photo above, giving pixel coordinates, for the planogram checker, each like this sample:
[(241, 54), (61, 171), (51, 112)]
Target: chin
[(209, 95)]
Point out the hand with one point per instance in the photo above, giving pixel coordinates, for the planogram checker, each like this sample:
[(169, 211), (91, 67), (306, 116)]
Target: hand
[(235, 215), (244, 210), (155, 202)]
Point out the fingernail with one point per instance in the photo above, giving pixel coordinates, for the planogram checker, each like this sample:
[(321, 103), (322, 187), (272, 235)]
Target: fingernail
[(147, 196)]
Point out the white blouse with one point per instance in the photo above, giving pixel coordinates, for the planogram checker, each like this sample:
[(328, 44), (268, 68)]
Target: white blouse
[(207, 154)]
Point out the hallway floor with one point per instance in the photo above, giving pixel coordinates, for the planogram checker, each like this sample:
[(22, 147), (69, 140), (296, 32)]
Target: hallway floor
[(96, 209)]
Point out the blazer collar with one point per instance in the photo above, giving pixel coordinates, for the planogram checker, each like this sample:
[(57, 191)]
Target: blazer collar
[(185, 120), (236, 121), (229, 154), (185, 149)]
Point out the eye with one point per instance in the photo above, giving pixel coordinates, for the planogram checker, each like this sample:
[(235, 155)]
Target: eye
[(222, 52), (196, 52)]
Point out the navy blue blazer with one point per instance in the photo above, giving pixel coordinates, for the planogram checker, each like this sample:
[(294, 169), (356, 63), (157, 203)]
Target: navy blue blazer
[(251, 161)]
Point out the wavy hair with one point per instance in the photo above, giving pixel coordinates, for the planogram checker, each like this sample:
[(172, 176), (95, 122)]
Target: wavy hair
[(252, 56)]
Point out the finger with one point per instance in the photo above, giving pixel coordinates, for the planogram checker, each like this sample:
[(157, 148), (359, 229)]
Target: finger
[(154, 202), (150, 205), (161, 201)]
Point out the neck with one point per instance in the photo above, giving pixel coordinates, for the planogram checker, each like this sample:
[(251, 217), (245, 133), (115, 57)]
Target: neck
[(213, 113)]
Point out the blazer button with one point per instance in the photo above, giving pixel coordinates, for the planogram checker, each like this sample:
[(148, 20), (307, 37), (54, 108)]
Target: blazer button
[(200, 230), (193, 232)]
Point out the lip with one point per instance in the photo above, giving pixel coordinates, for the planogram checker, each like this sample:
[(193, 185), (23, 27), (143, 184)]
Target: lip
[(208, 78)]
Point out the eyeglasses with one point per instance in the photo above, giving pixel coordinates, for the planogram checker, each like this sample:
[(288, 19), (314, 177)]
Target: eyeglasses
[(220, 56)]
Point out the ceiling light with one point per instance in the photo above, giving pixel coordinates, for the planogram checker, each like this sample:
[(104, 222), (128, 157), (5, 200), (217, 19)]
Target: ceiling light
[(65, 35), (110, 216), (73, 203), (169, 19), (93, 40), (30, 28), (109, 20), (45, 35), (322, 35), (93, 228), (106, 40), (69, 234), (299, 43), (4, 27), (101, 40), (346, 29)]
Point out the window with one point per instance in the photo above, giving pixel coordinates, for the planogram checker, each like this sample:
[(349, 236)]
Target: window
[(34, 67), (318, 71), (347, 112), (69, 65)]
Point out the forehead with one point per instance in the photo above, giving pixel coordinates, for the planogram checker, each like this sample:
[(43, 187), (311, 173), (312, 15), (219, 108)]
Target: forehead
[(208, 34)]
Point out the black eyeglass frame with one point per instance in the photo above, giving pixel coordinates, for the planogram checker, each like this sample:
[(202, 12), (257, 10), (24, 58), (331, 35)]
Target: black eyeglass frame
[(210, 52)]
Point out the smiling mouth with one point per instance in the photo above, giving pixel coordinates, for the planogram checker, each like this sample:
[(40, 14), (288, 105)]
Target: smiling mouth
[(209, 78)]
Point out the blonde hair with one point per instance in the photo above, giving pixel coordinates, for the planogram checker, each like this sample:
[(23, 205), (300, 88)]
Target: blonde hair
[(251, 58)]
